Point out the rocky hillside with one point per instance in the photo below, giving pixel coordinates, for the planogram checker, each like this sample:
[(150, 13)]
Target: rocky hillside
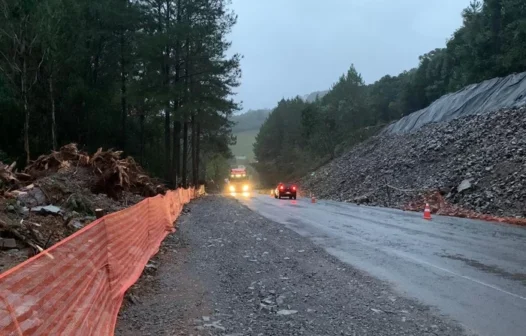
[(477, 162)]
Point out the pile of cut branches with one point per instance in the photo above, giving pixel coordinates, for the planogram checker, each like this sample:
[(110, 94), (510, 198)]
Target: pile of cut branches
[(116, 175), (67, 156), (7, 177), (110, 174), (10, 179)]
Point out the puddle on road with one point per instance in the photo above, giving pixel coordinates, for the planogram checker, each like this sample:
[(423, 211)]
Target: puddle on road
[(488, 268)]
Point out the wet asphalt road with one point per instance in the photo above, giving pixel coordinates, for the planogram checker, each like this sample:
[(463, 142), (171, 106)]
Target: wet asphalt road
[(471, 270)]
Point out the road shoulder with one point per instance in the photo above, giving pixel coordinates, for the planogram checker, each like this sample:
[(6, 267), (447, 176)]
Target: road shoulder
[(229, 271)]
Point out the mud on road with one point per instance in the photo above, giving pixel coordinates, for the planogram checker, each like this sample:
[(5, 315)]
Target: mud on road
[(229, 271)]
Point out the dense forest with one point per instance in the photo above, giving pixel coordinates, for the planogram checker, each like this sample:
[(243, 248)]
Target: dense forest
[(298, 136), (150, 77)]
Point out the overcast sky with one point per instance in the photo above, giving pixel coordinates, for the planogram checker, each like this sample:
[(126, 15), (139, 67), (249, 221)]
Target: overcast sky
[(295, 47)]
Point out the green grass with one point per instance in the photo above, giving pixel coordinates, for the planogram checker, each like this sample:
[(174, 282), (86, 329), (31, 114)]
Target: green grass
[(244, 145)]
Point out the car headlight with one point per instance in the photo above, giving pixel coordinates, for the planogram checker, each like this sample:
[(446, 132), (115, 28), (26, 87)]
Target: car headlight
[(232, 188), (245, 187)]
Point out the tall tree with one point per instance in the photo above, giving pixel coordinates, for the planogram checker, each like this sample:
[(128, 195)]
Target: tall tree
[(184, 173), (21, 52)]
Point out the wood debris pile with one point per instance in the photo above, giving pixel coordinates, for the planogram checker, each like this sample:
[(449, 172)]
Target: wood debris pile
[(67, 156), (116, 175), (7, 177), (111, 174), (59, 194)]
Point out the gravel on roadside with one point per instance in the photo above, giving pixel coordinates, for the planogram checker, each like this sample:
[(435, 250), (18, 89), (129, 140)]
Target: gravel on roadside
[(229, 271)]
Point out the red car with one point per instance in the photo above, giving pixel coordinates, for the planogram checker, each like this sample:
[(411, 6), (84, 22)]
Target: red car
[(285, 190)]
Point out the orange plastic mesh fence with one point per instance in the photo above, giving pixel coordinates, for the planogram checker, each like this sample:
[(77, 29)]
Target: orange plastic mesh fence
[(77, 286)]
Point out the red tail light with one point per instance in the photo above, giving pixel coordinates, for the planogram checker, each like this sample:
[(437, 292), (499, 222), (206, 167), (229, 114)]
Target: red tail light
[(280, 187), (294, 188)]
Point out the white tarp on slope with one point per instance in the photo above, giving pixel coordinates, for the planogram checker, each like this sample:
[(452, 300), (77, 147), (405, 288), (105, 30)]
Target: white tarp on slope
[(485, 97)]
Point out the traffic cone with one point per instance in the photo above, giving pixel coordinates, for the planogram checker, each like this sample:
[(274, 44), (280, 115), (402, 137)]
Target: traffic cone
[(427, 212)]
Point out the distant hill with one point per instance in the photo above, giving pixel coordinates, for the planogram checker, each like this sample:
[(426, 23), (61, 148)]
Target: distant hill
[(251, 120), (244, 146), (246, 128), (248, 124), (311, 97)]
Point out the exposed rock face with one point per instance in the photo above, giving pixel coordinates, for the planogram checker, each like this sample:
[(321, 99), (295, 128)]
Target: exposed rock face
[(477, 162)]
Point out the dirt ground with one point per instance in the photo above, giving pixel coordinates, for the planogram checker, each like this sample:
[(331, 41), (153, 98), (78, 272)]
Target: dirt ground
[(229, 271)]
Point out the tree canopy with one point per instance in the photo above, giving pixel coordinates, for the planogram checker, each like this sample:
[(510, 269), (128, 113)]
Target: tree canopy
[(297, 136), (150, 77)]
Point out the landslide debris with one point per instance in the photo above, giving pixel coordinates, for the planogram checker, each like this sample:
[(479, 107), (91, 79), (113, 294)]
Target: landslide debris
[(468, 166), (58, 194)]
